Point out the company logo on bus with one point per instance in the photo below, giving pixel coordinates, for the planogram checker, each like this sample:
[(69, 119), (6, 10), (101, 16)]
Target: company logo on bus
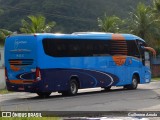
[(19, 43)]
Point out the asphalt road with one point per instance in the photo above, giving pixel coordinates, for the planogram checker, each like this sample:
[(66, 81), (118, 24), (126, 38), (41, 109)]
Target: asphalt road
[(145, 98)]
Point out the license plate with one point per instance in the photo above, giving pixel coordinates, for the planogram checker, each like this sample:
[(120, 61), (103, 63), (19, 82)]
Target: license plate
[(20, 88)]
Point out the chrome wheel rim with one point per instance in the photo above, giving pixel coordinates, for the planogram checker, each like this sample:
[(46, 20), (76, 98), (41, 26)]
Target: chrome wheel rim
[(134, 82), (73, 88)]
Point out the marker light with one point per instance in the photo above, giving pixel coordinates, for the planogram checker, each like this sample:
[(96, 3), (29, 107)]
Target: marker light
[(38, 74)]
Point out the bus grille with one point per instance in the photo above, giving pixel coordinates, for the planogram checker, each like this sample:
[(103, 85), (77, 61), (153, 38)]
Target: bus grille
[(20, 62)]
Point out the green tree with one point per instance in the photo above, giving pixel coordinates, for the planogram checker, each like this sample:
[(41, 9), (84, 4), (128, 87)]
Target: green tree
[(36, 24), (156, 6), (109, 23), (156, 11), (3, 34), (142, 22)]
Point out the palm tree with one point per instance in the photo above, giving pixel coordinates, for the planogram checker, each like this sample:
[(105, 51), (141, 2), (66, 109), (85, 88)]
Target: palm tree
[(36, 24), (142, 22), (3, 34), (109, 23), (156, 12), (156, 6)]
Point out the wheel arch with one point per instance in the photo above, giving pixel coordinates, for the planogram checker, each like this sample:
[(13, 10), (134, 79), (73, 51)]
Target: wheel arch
[(75, 77), (137, 75)]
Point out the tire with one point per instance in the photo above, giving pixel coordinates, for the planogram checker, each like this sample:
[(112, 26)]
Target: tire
[(134, 83), (73, 88), (44, 94)]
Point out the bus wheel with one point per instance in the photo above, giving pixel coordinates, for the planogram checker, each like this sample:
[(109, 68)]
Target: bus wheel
[(44, 94), (108, 88), (73, 88), (134, 83)]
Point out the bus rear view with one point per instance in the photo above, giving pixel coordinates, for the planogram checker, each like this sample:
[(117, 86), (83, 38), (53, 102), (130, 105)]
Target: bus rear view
[(20, 63)]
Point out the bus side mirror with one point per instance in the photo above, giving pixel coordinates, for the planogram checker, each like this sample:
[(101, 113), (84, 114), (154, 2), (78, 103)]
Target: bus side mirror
[(152, 50)]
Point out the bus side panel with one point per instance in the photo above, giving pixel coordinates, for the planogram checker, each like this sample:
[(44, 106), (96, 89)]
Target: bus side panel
[(126, 71), (145, 75), (58, 79), (90, 71)]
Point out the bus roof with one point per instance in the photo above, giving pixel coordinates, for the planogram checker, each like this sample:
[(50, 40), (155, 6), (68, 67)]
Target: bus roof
[(88, 35)]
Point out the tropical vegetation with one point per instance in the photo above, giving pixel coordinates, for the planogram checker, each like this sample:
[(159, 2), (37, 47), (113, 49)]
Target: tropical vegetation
[(110, 24), (3, 34), (36, 24), (70, 16), (144, 24), (143, 21)]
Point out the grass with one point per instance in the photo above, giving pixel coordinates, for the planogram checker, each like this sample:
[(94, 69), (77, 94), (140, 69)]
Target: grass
[(156, 78), (4, 91)]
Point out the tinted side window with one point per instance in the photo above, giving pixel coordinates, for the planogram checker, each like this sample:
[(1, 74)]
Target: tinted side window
[(75, 48), (118, 47), (141, 46), (133, 49)]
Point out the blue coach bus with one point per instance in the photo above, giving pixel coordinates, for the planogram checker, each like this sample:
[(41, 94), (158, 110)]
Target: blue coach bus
[(45, 63)]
